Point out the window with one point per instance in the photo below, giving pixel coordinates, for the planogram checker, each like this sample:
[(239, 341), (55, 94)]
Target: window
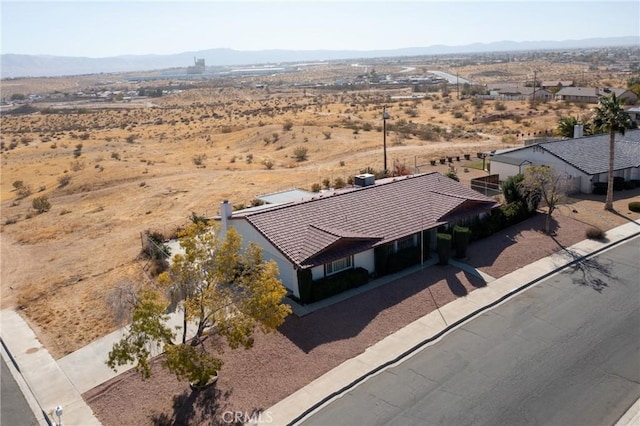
[(406, 243), (339, 265)]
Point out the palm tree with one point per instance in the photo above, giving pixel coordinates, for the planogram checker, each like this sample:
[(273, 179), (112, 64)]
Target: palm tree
[(566, 127), (611, 117)]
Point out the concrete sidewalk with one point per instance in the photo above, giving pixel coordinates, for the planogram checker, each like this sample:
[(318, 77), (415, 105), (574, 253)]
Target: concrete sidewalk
[(430, 328), (62, 383)]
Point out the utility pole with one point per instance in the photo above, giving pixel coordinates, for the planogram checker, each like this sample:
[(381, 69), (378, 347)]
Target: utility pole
[(385, 117), (533, 99)]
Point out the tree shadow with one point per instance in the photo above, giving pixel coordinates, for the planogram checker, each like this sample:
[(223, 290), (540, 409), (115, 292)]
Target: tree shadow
[(617, 213), (202, 407), (474, 280), (593, 273), (456, 286)]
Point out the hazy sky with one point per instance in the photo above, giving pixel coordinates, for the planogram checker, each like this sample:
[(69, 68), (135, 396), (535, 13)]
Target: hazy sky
[(95, 28)]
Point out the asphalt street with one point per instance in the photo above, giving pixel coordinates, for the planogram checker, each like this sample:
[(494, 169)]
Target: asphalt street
[(564, 352), (14, 410)]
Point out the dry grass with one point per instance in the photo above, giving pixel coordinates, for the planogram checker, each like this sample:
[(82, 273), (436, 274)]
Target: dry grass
[(137, 170)]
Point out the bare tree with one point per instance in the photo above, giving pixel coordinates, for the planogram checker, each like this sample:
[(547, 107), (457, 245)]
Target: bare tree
[(547, 184)]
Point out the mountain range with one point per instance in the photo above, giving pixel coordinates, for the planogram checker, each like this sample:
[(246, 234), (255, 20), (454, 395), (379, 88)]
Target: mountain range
[(15, 65)]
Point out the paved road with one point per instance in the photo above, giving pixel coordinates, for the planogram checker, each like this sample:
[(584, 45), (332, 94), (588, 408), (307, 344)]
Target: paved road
[(14, 410), (565, 352)]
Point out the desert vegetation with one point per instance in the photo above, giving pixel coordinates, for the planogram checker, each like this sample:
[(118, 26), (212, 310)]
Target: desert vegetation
[(83, 180)]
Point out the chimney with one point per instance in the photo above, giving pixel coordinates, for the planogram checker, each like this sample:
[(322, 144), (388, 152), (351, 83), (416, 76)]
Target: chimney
[(578, 131), (225, 214)]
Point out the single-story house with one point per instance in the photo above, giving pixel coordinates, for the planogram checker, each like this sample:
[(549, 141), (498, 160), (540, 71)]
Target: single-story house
[(550, 84), (514, 91), (634, 113), (329, 233), (592, 95), (585, 160)]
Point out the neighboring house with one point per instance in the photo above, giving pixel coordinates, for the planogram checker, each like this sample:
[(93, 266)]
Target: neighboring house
[(513, 91), (584, 160), (332, 232), (591, 95), (634, 113), (550, 84)]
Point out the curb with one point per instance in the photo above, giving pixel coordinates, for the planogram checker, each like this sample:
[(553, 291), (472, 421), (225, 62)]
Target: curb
[(14, 369), (450, 327)]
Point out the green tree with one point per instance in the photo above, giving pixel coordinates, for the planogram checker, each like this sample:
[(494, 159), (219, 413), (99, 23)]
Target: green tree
[(511, 188), (566, 127), (545, 183), (220, 289), (611, 117)]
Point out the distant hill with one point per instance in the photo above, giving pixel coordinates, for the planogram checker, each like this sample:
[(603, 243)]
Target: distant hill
[(13, 65)]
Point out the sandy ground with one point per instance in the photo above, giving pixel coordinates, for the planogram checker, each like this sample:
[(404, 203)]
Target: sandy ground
[(305, 348)]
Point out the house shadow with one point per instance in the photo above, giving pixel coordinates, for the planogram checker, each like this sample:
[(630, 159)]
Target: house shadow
[(202, 407), (348, 318)]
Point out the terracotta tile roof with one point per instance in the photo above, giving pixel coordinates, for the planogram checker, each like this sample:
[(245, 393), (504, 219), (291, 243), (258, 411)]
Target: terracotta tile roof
[(314, 231)]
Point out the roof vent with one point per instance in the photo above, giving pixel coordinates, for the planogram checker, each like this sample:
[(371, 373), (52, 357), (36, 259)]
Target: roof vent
[(365, 179)]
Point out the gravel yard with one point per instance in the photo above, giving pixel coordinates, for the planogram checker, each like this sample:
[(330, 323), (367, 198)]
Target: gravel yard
[(307, 347)]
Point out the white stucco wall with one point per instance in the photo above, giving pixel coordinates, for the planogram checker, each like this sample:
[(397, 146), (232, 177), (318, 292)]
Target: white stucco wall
[(504, 170), (539, 157), (365, 260), (288, 274)]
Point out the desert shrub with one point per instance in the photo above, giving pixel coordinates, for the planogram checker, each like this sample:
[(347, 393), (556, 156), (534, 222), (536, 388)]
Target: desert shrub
[(76, 166), (198, 160), (634, 206), (327, 134), (451, 174), (115, 156), (316, 187), (300, 153), (500, 106), (509, 139), (594, 233), (155, 247), (287, 125), (268, 163), (41, 204), (77, 151), (339, 183), (326, 183), (249, 158), (194, 218), (64, 180)]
